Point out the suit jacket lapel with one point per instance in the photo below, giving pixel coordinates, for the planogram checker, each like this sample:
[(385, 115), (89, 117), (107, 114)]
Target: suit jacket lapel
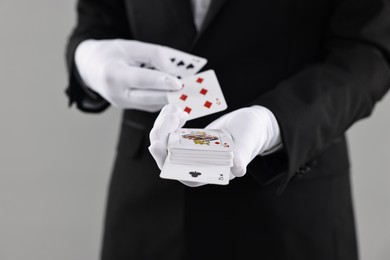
[(182, 13), (215, 7)]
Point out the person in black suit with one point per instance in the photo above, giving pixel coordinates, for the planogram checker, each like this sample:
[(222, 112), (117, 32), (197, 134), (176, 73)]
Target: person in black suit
[(317, 66)]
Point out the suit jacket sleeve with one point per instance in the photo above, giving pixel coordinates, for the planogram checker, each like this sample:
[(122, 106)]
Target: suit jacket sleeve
[(318, 104), (97, 19)]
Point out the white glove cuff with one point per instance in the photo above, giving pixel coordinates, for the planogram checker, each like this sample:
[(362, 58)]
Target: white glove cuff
[(82, 56)]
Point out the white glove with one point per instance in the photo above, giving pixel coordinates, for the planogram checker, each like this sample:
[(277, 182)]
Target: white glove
[(254, 131), (111, 68), (169, 120)]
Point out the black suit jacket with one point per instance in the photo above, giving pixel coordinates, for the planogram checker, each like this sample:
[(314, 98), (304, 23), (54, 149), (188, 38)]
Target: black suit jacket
[(319, 66)]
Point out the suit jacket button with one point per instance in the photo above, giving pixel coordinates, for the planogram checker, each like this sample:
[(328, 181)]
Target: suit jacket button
[(303, 170)]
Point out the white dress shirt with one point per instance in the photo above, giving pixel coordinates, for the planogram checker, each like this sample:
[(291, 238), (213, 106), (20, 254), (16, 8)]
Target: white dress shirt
[(199, 9)]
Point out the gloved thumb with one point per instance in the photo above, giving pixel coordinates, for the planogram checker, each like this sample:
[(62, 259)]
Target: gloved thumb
[(193, 184), (159, 152), (240, 161)]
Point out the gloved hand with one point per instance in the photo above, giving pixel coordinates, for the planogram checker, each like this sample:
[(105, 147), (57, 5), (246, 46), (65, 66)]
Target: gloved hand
[(111, 68), (169, 120), (254, 131)]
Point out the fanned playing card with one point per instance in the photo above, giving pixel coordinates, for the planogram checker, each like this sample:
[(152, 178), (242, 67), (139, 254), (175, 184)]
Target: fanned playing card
[(185, 64), (200, 96)]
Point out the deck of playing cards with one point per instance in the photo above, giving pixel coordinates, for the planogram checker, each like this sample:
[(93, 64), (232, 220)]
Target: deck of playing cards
[(199, 155)]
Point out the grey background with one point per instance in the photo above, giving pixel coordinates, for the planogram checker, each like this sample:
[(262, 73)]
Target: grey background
[(55, 162)]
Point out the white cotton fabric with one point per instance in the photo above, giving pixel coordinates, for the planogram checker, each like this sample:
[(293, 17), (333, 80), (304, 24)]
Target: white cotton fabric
[(199, 10), (112, 69)]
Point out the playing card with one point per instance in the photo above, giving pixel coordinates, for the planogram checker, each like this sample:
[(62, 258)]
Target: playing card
[(196, 173), (200, 161), (185, 64), (200, 139), (201, 95)]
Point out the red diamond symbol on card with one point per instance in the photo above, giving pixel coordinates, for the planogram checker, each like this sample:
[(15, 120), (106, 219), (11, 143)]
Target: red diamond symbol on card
[(203, 91), (183, 97), (187, 109), (199, 80), (207, 104)]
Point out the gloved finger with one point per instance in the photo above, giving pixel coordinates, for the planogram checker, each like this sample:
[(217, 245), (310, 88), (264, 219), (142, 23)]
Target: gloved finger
[(161, 132), (242, 156), (148, 53), (239, 167), (219, 123), (159, 152), (121, 74), (193, 184), (170, 118), (146, 98)]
